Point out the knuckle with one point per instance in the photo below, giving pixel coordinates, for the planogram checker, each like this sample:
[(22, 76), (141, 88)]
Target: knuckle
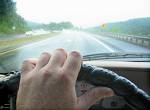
[(26, 61), (63, 76), (26, 80), (46, 72), (24, 65), (61, 52), (46, 54)]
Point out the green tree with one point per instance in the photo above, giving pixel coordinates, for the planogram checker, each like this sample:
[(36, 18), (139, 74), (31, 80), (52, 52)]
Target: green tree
[(10, 21), (60, 26)]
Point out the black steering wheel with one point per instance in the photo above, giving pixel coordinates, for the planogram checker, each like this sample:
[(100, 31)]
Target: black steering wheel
[(94, 76)]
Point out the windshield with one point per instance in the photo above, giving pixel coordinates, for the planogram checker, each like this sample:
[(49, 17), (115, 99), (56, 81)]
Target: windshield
[(92, 27)]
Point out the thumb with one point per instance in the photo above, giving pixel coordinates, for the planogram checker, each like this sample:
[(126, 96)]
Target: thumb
[(91, 97)]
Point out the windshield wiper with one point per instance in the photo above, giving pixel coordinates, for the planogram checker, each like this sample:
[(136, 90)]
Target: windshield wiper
[(102, 56)]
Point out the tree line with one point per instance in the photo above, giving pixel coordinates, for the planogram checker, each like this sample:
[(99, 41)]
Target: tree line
[(10, 21), (51, 26), (139, 27)]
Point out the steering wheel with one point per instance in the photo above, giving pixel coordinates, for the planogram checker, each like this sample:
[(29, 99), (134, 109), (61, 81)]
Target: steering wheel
[(95, 76)]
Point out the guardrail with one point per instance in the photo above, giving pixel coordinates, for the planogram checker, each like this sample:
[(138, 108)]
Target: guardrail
[(138, 40)]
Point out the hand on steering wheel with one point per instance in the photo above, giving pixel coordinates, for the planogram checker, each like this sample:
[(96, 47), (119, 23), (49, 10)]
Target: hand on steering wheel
[(50, 81)]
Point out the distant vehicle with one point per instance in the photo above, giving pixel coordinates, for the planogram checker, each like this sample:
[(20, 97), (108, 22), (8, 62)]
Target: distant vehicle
[(29, 33), (40, 32), (36, 32)]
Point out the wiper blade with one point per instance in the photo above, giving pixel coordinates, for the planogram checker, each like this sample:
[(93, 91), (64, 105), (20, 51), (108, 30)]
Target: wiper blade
[(101, 56)]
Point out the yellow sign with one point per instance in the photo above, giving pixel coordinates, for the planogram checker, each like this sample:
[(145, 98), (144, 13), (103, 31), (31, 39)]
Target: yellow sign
[(103, 25)]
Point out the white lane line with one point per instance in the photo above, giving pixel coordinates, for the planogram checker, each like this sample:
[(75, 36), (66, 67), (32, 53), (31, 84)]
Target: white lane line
[(103, 44)]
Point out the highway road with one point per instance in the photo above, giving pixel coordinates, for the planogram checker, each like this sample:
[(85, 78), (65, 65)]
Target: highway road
[(83, 42)]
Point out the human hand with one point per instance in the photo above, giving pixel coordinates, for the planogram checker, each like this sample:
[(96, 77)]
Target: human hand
[(49, 84)]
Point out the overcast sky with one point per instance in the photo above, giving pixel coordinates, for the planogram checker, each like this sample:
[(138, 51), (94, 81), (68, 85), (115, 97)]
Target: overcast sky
[(82, 12)]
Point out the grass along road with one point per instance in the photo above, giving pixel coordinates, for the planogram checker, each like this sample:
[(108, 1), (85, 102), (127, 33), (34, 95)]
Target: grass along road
[(6, 45)]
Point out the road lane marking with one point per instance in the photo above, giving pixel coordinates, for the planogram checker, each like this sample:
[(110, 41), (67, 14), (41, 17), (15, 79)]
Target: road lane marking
[(103, 44)]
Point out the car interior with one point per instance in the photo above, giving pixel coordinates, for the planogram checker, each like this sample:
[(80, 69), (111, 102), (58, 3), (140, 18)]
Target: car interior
[(113, 36)]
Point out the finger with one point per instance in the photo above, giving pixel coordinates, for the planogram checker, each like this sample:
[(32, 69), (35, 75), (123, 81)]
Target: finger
[(72, 64), (43, 60), (57, 58), (28, 65), (88, 99)]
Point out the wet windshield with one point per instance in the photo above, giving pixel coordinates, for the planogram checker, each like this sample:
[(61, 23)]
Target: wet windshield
[(29, 27)]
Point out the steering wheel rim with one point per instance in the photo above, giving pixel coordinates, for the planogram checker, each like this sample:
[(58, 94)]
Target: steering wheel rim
[(121, 86)]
